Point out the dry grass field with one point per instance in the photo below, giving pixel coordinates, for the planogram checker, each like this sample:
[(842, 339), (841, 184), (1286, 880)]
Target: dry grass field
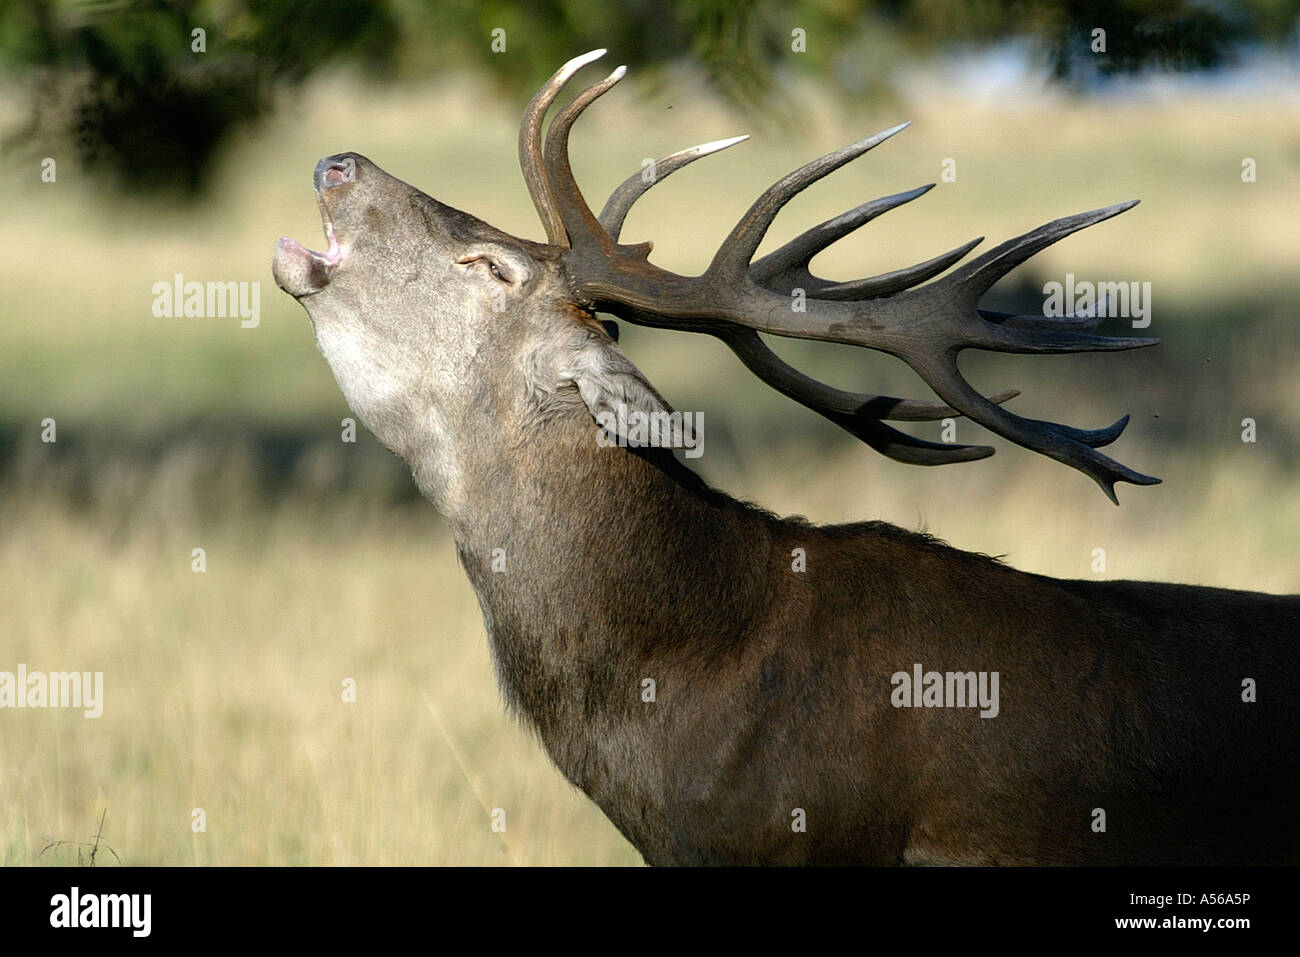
[(223, 690)]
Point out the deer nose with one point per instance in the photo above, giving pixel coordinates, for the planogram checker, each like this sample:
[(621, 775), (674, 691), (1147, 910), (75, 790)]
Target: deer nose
[(334, 171)]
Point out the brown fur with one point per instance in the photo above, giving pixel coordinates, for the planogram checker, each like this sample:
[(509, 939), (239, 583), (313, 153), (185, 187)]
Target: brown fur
[(773, 687)]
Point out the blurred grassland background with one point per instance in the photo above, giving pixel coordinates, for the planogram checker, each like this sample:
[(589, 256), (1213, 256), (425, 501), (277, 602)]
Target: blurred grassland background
[(223, 688)]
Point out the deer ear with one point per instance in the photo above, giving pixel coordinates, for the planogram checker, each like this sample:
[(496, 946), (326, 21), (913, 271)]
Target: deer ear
[(611, 387)]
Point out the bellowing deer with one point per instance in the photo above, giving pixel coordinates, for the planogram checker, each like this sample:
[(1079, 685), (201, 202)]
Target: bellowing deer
[(779, 730)]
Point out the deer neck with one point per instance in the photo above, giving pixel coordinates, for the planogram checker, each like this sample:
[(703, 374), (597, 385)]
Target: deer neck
[(597, 566)]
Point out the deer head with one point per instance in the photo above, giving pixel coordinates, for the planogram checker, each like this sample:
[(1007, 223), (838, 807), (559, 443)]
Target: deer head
[(433, 320)]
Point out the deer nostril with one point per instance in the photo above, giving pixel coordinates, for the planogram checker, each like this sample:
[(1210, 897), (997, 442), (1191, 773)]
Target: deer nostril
[(335, 171)]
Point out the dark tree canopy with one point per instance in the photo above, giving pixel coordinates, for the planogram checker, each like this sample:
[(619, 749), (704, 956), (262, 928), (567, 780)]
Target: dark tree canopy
[(123, 82)]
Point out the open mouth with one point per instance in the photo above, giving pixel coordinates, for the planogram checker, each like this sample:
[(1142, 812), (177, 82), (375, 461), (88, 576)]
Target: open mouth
[(300, 271)]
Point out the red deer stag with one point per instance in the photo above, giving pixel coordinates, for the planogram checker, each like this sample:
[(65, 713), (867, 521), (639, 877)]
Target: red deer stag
[(793, 715)]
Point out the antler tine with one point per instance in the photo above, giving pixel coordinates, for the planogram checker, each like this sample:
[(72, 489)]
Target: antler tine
[(534, 169), (739, 247), (886, 284), (787, 268), (979, 275), (631, 189), (857, 413), (1073, 447), (789, 264), (830, 401), (581, 224), (1034, 337)]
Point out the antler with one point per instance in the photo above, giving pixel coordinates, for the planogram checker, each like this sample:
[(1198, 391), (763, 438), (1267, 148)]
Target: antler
[(926, 326)]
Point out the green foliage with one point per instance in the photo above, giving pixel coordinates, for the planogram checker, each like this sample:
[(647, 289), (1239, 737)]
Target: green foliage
[(120, 80), (125, 83)]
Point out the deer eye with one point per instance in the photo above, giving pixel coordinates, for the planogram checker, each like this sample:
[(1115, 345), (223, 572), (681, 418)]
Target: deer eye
[(492, 267)]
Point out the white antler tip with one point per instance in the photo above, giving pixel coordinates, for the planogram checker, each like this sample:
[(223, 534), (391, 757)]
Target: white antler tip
[(578, 62), (706, 148)]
